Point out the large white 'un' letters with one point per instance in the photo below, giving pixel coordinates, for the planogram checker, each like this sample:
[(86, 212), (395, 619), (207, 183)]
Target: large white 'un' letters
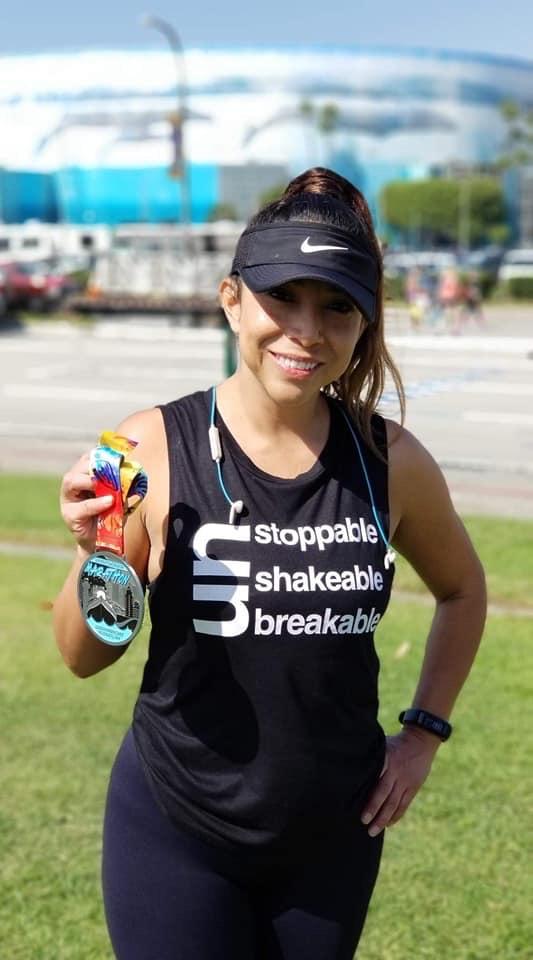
[(206, 566)]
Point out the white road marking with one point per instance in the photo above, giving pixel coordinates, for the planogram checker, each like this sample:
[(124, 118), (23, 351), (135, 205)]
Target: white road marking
[(87, 395), (41, 430), (430, 361), (511, 345), (468, 383), (128, 372), (45, 372), (482, 416), (496, 388), (92, 348), (154, 329), (31, 391)]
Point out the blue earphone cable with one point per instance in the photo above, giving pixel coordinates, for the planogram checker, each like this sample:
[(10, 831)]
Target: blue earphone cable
[(219, 468), (390, 552), (367, 478)]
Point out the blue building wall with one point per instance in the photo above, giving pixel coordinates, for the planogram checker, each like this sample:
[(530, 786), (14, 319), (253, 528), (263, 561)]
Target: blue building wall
[(27, 196), (133, 195)]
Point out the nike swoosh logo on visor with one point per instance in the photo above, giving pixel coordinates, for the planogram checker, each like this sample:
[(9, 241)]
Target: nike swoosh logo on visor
[(307, 247)]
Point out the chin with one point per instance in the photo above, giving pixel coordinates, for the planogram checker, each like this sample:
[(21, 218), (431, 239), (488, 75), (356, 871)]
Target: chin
[(292, 393)]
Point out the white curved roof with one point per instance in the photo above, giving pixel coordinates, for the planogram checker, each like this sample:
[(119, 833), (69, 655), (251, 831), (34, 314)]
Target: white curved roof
[(110, 107)]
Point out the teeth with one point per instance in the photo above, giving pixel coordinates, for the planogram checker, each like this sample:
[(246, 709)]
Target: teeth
[(292, 364)]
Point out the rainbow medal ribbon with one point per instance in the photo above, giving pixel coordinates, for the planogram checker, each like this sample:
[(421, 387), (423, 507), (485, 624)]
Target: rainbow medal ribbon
[(110, 593)]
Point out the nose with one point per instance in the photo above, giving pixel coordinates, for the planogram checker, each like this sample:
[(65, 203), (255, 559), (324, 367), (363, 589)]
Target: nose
[(305, 324)]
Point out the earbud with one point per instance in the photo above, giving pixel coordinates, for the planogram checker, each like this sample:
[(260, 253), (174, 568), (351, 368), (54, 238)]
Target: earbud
[(236, 509), (214, 443), (390, 557)]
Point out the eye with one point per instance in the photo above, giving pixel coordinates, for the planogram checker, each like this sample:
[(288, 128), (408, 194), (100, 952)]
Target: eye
[(341, 306), (280, 293)]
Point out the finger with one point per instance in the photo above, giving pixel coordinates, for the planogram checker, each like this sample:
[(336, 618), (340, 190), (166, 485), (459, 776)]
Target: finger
[(403, 805), (76, 483), (385, 813), (377, 798), (85, 509)]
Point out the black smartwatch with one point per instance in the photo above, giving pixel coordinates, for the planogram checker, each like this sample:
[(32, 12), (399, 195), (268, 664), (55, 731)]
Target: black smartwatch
[(427, 721)]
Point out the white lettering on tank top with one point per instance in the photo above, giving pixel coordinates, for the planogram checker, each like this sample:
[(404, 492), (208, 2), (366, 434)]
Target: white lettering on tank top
[(348, 531), (235, 594), (214, 564)]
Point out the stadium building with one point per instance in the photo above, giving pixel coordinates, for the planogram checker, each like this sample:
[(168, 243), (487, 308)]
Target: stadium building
[(88, 135)]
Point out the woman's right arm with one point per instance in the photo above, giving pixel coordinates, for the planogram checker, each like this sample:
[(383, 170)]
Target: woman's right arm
[(82, 652)]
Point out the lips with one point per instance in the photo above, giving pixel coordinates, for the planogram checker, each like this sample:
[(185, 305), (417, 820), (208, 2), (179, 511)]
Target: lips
[(295, 363)]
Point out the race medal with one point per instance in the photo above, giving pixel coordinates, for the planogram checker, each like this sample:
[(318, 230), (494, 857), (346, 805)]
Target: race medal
[(111, 598), (110, 593)]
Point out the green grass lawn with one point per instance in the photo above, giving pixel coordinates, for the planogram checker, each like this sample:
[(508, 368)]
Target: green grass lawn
[(456, 882)]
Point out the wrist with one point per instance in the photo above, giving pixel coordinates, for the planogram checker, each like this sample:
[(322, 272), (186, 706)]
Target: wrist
[(416, 735), (83, 552)]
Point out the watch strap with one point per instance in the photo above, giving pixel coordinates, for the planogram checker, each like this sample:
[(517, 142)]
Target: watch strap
[(416, 717)]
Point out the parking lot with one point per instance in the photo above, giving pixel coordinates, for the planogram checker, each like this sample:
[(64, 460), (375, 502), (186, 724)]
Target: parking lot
[(470, 398)]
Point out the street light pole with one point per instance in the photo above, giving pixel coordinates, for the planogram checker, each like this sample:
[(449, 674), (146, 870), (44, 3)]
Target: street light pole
[(178, 169)]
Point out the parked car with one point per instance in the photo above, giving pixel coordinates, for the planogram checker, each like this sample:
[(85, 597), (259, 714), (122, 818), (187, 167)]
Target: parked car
[(399, 263), (3, 300), (36, 284), (516, 264)]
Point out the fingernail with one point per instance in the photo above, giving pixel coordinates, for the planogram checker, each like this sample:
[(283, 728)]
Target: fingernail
[(373, 832), (366, 818)]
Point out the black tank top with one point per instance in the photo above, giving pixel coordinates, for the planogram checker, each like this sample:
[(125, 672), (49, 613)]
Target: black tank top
[(257, 716)]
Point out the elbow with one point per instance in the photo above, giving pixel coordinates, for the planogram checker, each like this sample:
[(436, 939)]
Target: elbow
[(77, 666), (470, 589), (80, 670), (479, 587)]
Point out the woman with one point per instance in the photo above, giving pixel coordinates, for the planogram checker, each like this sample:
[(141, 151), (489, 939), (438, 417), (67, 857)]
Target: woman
[(246, 807)]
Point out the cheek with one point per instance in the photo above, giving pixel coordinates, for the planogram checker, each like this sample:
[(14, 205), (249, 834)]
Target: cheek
[(256, 327), (345, 337)]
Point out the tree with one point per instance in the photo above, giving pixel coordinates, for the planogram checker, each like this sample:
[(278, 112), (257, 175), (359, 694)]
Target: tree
[(328, 118), (324, 119), (518, 147), (222, 211), (430, 212), (271, 194)]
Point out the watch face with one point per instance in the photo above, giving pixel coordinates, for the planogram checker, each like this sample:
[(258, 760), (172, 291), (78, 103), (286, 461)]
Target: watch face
[(111, 598)]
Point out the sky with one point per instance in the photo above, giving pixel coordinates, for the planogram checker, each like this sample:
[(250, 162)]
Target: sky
[(491, 26)]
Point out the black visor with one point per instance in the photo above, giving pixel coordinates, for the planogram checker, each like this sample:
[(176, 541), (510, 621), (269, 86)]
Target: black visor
[(269, 255)]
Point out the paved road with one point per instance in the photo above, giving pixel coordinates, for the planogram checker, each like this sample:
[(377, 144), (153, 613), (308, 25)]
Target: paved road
[(470, 397)]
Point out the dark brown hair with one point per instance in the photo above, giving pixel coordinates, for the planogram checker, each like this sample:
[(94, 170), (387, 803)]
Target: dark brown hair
[(322, 196)]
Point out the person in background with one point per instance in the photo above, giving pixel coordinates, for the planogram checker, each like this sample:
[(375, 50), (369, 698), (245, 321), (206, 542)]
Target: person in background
[(417, 297), (248, 801), (449, 297), (471, 307)]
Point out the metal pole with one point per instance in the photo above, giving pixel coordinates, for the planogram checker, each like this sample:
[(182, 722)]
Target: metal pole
[(464, 212), (174, 40)]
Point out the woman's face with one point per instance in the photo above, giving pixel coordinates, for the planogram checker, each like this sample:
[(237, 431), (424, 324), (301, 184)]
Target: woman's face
[(296, 338)]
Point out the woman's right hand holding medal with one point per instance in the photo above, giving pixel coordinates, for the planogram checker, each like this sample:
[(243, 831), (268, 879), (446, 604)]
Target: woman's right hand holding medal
[(80, 508)]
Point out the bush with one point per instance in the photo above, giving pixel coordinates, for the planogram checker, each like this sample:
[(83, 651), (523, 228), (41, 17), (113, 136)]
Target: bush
[(521, 288), (394, 287), (487, 282)]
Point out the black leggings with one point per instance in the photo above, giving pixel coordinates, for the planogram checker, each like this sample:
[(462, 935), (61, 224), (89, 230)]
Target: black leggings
[(170, 896)]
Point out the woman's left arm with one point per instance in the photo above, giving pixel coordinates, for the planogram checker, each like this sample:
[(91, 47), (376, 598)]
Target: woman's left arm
[(430, 535)]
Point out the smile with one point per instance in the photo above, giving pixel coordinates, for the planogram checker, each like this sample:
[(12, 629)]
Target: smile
[(291, 363)]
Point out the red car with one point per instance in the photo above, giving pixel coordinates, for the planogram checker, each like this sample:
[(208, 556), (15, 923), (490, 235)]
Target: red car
[(3, 301), (35, 284)]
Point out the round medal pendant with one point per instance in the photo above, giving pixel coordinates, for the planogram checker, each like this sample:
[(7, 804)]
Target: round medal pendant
[(111, 598)]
